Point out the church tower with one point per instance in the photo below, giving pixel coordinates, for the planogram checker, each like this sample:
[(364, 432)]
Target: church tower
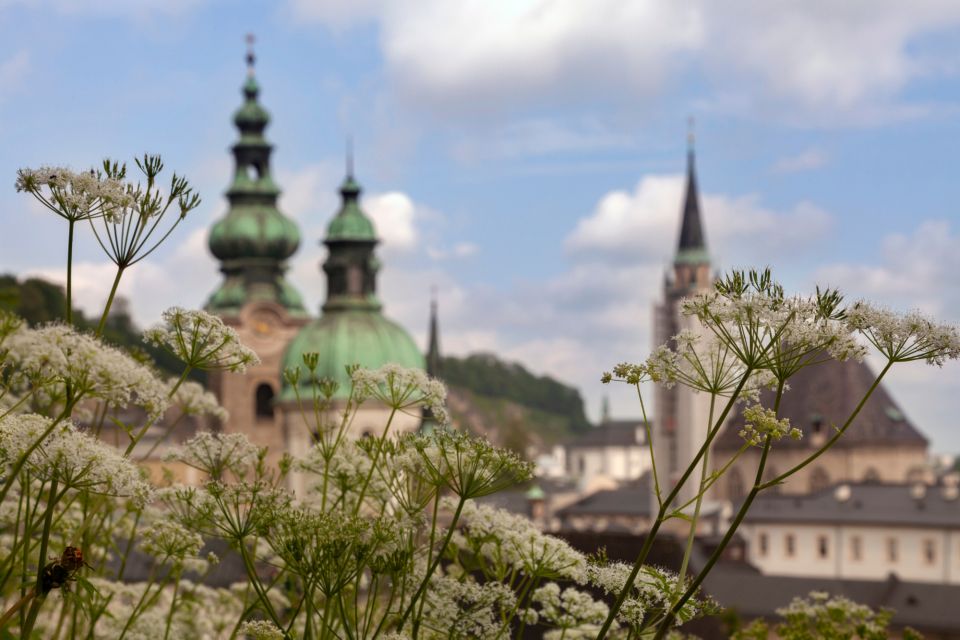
[(351, 329), (253, 242), (681, 424), (433, 362)]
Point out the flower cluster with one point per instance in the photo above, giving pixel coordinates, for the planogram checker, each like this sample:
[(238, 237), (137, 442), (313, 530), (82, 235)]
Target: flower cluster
[(460, 607), (194, 400), (570, 609), (77, 195), (470, 467), (652, 593), (760, 423), (171, 542), (217, 453), (87, 366), (512, 543), (201, 341), (75, 459), (905, 337), (402, 389)]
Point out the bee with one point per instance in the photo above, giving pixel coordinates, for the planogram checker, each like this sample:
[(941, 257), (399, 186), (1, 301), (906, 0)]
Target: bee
[(61, 570)]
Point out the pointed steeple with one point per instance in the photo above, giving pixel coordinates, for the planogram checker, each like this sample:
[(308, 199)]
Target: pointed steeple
[(254, 240), (692, 247), (433, 345), (351, 264)]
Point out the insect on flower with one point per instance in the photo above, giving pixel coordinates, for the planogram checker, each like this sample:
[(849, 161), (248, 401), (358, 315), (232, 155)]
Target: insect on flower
[(61, 570)]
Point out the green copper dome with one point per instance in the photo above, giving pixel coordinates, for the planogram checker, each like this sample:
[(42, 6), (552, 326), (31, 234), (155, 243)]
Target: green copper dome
[(352, 329), (350, 223), (344, 338), (254, 231)]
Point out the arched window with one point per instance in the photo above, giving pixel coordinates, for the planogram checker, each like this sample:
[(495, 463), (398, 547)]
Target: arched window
[(264, 399), (872, 475), (735, 484), (819, 479)]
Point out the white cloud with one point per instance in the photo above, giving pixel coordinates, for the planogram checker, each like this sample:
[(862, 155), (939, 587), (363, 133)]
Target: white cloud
[(804, 161), (457, 251), (811, 61), (642, 226), (394, 215)]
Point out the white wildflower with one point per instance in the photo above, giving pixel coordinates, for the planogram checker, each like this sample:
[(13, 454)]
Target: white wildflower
[(217, 453), (402, 389), (463, 608), (201, 341), (760, 422), (194, 400), (569, 608), (76, 459), (905, 337), (470, 467), (88, 366), (261, 630), (77, 195), (170, 541), (513, 543)]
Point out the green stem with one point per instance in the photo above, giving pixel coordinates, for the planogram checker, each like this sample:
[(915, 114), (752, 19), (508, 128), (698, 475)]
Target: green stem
[(835, 437), (70, 225), (696, 509), (27, 627), (651, 535), (173, 607), (373, 463), (113, 293), (433, 565)]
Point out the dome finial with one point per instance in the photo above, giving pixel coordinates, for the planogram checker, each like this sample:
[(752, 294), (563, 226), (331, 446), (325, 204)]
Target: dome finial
[(349, 156), (251, 57)]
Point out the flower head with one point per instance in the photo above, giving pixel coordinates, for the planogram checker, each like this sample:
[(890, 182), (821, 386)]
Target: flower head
[(402, 389), (201, 341)]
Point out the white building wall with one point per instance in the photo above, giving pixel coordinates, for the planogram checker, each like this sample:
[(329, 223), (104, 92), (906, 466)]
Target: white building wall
[(909, 561)]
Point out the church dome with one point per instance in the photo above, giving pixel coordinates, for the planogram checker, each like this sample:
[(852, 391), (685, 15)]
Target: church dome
[(251, 116), (348, 337), (254, 231)]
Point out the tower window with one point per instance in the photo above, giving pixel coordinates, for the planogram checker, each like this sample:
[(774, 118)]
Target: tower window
[(819, 479), (264, 399)]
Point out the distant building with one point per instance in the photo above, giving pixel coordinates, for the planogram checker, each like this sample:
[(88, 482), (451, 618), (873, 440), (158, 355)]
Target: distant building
[(861, 531), (881, 445), (613, 452), (627, 508), (253, 242)]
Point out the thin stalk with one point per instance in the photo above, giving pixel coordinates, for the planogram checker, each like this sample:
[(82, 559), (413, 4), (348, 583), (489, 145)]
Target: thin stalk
[(829, 443), (373, 463), (696, 510), (433, 565), (27, 628), (173, 607), (113, 293), (70, 224), (715, 556), (653, 462), (651, 535)]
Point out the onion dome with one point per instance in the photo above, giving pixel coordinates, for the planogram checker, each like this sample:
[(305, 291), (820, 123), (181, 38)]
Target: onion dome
[(254, 239), (352, 328)]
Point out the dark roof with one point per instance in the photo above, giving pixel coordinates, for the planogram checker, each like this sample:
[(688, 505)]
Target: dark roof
[(927, 607), (828, 393), (691, 231), (632, 499), (866, 503), (515, 499), (613, 433)]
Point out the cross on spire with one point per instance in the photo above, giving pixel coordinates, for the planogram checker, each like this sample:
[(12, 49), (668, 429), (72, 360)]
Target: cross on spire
[(251, 57)]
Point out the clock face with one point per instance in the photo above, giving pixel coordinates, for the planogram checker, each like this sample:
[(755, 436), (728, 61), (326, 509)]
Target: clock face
[(264, 325)]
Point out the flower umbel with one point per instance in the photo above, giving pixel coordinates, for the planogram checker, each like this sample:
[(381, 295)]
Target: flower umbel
[(201, 341)]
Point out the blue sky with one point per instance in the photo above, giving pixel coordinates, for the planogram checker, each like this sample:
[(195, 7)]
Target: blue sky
[(524, 157)]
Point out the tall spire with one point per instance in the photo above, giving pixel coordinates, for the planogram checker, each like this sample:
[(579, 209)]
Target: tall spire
[(351, 264), (254, 240), (692, 247), (433, 344)]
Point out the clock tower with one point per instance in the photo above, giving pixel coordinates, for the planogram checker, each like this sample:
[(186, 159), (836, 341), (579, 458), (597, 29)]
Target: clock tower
[(253, 242)]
